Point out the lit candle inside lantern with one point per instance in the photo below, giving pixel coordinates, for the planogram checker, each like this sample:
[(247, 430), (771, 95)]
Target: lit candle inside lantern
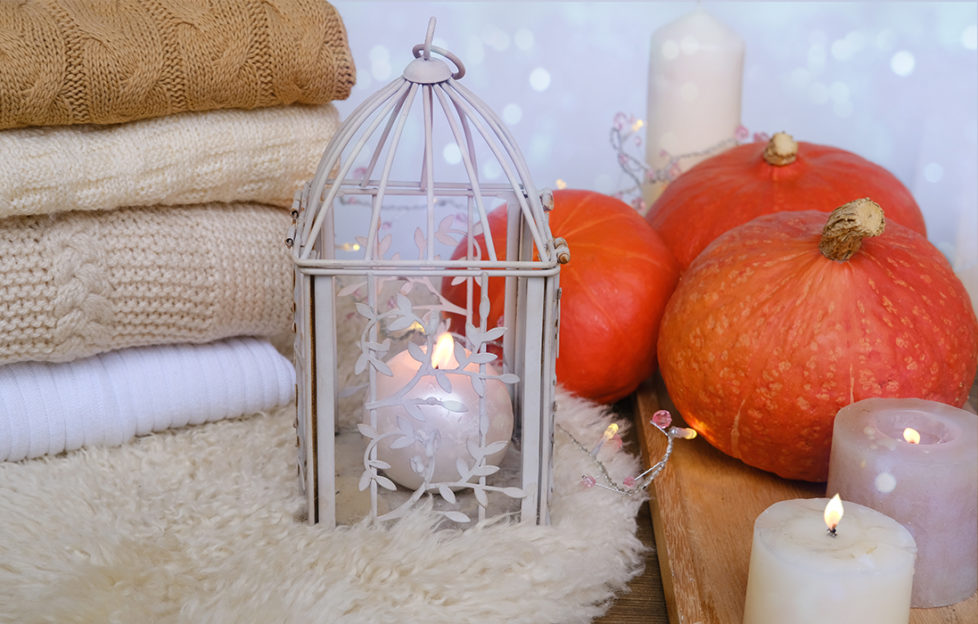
[(696, 67), (449, 421), (804, 574), (917, 462)]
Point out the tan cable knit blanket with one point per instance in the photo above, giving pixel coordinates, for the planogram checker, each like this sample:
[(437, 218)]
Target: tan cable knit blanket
[(79, 283), (109, 61), (260, 156)]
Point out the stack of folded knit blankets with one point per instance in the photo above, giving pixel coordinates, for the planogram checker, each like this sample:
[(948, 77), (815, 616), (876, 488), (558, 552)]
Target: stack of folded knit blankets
[(149, 153)]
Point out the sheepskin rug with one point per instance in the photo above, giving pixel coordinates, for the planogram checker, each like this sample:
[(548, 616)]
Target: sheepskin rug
[(206, 524)]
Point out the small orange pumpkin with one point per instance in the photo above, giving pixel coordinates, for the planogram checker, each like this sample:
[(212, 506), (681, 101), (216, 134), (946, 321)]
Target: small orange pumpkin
[(749, 180), (613, 292), (782, 321)]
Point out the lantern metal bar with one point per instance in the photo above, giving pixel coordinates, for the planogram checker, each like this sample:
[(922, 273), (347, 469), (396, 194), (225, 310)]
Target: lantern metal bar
[(347, 165), (507, 140), (470, 244), (428, 173), (325, 371), (533, 210), (548, 406), (401, 115), (504, 163), (447, 189), (513, 250), (468, 136), (418, 267), (473, 175), (348, 129), (511, 151), (470, 144), (372, 384), (400, 111), (305, 362), (342, 137), (530, 373)]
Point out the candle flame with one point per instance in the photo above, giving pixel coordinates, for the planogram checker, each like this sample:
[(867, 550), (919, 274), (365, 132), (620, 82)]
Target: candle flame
[(610, 431), (444, 347), (637, 125), (911, 435), (833, 512)]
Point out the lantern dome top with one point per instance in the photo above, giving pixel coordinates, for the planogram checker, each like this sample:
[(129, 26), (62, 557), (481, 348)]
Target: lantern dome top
[(458, 164)]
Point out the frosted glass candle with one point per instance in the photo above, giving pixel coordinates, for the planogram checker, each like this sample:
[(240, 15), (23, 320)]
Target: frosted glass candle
[(696, 67), (450, 424), (930, 487), (801, 574)]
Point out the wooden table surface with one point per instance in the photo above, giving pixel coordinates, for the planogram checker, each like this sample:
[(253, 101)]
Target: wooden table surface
[(701, 511)]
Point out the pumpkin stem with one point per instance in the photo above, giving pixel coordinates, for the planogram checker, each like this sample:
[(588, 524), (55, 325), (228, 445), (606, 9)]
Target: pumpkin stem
[(781, 150), (848, 225)]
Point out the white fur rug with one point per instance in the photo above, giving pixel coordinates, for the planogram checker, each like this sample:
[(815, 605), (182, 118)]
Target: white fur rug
[(206, 524)]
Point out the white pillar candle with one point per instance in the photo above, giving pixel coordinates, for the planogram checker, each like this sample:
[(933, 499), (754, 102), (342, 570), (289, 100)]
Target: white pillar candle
[(696, 67), (800, 573), (930, 487), (449, 425)]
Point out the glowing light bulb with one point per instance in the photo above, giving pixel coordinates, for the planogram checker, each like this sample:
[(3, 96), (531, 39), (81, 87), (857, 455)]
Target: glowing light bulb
[(911, 435)]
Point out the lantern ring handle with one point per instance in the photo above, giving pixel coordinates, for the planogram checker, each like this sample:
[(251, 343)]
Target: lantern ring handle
[(427, 49)]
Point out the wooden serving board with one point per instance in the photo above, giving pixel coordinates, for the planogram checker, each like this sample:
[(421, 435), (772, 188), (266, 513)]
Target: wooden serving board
[(703, 508)]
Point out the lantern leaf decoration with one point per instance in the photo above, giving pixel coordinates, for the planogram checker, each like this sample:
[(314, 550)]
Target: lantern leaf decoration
[(749, 180), (784, 320), (394, 403)]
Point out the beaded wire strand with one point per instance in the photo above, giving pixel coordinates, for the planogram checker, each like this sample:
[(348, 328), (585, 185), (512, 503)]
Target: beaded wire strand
[(630, 486)]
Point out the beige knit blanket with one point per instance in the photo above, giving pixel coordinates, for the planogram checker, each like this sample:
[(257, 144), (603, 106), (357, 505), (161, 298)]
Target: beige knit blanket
[(262, 156), (80, 283), (109, 61)]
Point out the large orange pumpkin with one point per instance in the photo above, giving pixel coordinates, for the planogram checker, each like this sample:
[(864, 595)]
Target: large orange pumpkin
[(613, 292), (749, 180), (771, 330)]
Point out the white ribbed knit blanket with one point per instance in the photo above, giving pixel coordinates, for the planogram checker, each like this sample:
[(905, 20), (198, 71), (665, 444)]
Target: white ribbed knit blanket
[(76, 284), (112, 397), (260, 156)]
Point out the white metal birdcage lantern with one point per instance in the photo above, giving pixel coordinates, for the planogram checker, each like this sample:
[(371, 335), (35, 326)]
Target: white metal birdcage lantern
[(426, 294)]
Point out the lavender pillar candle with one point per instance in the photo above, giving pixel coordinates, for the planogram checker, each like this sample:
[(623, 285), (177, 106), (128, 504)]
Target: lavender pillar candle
[(930, 486)]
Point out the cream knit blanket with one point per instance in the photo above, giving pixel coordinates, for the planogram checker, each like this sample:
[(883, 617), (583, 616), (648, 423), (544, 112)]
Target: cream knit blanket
[(100, 61), (79, 283), (261, 156)]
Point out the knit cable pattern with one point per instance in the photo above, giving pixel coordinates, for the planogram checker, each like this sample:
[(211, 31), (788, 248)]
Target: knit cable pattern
[(108, 61), (75, 284)]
